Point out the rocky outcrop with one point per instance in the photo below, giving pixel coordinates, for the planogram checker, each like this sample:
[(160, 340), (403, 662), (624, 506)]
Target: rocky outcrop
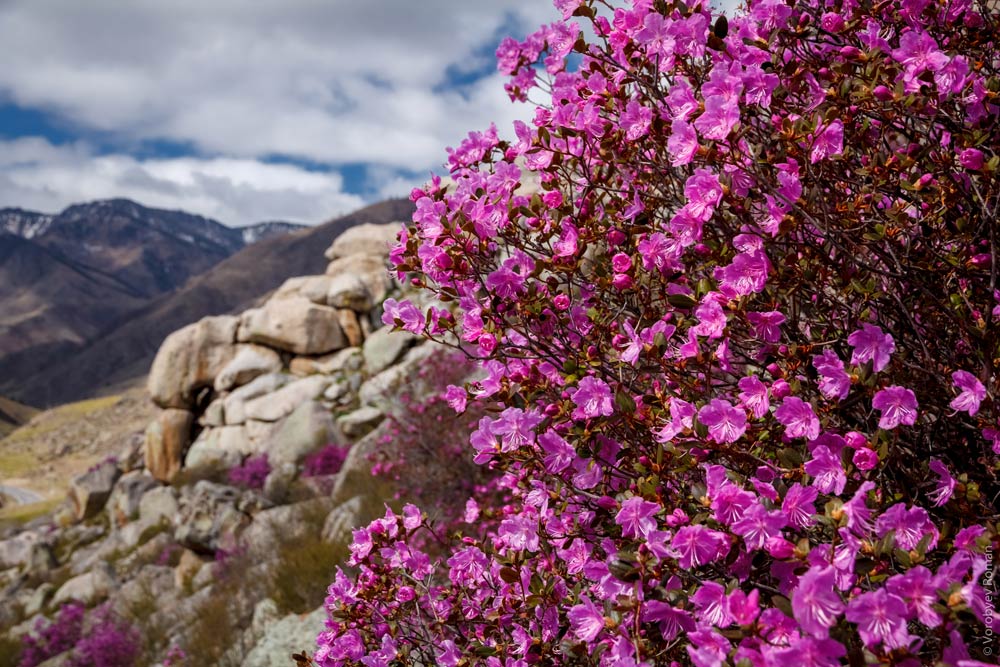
[(166, 440), (89, 491), (310, 367), (190, 359), (294, 324)]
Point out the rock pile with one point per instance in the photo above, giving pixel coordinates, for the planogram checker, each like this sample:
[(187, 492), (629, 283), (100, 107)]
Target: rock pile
[(311, 366)]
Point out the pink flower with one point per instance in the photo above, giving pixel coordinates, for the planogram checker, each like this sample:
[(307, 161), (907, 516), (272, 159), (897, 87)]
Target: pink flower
[(725, 422), (945, 486), (767, 326), (971, 158), (881, 619), (870, 343), (753, 395), (516, 428), (972, 392), (592, 398), (710, 601), (621, 262), (828, 474), (798, 505), (704, 192), (798, 418), (911, 526), (404, 313), (672, 621), (718, 119), (865, 458), (635, 121), (834, 381), (711, 317), (758, 525), (456, 397), (898, 406), (682, 143), (637, 517), (815, 602), (559, 454), (697, 545), (829, 141), (918, 589), (586, 620)]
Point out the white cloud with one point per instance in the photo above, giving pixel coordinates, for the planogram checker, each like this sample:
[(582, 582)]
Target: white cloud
[(327, 80), (35, 174)]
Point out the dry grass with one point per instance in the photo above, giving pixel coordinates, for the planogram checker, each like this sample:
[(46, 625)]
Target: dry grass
[(51, 420), (18, 514)]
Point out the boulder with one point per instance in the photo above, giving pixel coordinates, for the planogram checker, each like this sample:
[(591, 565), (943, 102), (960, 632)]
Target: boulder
[(279, 482), (380, 391), (282, 638), (88, 492), (214, 414), (342, 520), (34, 602), (294, 324), (149, 590), (89, 588), (360, 422), (157, 504), (187, 569), (348, 360), (285, 524), (348, 321), (219, 448), (347, 290), (369, 269), (272, 407), (304, 431), (314, 288), (355, 477), (189, 359), (235, 404), (366, 239), (127, 494), (17, 550), (249, 362), (166, 439), (211, 517), (130, 455), (384, 347)]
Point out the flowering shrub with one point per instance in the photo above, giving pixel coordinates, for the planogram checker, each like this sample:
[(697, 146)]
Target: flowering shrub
[(325, 461), (252, 473), (424, 444), (743, 340), (108, 641), (50, 638)]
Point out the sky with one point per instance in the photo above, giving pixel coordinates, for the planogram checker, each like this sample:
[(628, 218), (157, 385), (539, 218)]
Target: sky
[(242, 111)]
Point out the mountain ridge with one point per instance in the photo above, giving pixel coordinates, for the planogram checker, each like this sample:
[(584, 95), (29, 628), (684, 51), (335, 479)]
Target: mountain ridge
[(124, 350)]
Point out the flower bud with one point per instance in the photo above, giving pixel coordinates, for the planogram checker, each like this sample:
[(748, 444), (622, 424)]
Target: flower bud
[(882, 93), (971, 158)]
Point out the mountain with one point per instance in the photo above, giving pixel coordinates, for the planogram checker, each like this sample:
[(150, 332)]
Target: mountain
[(125, 351), (67, 279)]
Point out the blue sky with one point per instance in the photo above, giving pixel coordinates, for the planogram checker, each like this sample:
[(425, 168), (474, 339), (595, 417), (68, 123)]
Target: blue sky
[(245, 111)]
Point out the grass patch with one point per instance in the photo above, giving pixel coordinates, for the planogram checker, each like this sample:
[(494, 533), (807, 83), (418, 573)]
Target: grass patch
[(60, 416), (16, 464), (10, 651), (18, 514)]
